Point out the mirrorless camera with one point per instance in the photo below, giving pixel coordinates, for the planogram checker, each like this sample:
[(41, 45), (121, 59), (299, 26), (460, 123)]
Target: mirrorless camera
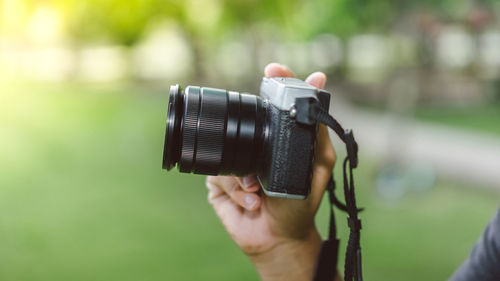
[(219, 132)]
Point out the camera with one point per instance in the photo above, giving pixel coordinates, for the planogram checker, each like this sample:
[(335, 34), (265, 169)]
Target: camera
[(219, 132)]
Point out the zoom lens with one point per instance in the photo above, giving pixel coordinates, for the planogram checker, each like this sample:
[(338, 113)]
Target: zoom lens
[(212, 131)]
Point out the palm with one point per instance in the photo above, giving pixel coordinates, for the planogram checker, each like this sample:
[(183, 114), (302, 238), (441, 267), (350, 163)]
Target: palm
[(277, 219)]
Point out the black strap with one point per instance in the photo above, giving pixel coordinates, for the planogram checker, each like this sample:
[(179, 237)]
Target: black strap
[(326, 264), (352, 268), (327, 257), (308, 113)]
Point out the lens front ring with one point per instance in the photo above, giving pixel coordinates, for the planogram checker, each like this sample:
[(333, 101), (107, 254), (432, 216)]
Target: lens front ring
[(171, 147)]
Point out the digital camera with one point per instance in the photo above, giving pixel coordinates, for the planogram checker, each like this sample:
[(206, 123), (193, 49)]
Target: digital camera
[(219, 132)]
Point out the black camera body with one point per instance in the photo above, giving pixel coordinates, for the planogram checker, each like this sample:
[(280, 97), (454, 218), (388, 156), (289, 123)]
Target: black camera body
[(289, 154), (216, 132)]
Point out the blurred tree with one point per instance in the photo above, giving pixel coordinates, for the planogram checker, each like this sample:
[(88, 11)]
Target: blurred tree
[(206, 21), (125, 21), (118, 21)]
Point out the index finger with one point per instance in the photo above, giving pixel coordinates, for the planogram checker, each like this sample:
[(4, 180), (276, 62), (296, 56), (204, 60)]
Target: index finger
[(277, 70)]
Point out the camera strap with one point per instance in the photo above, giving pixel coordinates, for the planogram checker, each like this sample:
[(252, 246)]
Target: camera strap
[(326, 264), (308, 111)]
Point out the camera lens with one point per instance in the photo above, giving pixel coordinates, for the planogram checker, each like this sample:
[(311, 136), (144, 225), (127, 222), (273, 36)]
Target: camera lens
[(213, 131)]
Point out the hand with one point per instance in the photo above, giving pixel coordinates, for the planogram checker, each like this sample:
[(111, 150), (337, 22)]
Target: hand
[(277, 234)]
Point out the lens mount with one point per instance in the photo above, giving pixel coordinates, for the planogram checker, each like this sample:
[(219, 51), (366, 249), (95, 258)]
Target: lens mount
[(172, 145)]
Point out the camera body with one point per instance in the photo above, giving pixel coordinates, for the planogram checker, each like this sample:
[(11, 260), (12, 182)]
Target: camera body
[(289, 150), (219, 132)]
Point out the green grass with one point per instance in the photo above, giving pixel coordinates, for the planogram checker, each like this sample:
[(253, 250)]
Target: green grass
[(82, 197), (484, 118)]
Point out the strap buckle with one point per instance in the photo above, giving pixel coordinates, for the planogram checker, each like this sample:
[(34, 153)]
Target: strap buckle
[(354, 224)]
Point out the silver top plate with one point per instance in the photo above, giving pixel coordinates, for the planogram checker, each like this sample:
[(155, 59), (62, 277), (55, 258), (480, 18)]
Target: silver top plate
[(282, 91)]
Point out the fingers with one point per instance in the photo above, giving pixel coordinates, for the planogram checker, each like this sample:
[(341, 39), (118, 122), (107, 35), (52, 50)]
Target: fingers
[(277, 70), (317, 79), (323, 165), (226, 209), (324, 151), (227, 188), (249, 183)]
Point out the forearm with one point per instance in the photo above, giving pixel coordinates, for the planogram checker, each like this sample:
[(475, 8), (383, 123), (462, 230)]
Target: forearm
[(291, 260)]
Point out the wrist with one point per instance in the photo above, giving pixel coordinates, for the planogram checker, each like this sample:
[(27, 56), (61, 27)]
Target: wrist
[(290, 259)]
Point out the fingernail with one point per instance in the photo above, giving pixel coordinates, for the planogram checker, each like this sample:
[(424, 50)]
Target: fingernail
[(250, 201), (248, 181)]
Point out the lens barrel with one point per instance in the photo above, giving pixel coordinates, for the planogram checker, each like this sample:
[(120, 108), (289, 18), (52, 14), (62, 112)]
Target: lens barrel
[(213, 131)]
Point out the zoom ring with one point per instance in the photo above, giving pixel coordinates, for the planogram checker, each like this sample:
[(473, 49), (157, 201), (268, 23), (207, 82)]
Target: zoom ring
[(211, 131)]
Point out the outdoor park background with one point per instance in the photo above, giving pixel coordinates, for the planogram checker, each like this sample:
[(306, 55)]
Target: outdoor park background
[(83, 95)]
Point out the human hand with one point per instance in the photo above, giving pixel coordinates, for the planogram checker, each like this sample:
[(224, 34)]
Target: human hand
[(277, 234)]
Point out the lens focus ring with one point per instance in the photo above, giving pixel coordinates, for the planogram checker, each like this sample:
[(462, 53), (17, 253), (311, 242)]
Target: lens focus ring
[(189, 128)]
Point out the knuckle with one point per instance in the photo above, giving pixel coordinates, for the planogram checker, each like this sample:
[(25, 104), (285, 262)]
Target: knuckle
[(211, 180), (232, 191)]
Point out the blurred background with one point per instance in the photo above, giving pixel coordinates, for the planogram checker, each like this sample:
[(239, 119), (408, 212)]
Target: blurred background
[(83, 99)]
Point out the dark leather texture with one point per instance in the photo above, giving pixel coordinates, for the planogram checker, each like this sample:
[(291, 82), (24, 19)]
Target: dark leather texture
[(289, 154)]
